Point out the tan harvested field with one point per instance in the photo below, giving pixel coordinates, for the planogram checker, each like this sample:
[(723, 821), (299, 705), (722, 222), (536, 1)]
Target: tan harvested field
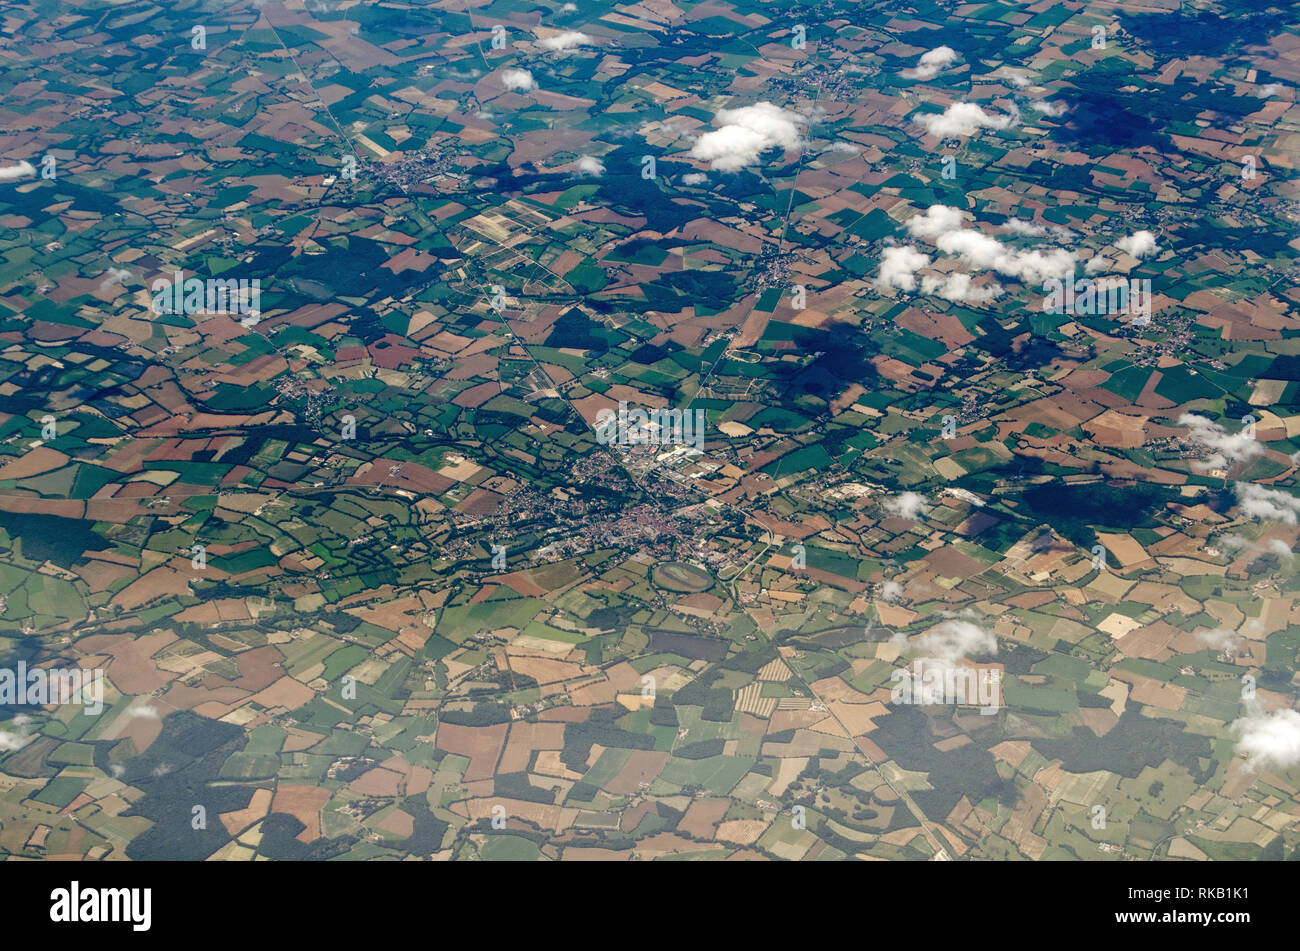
[(303, 803), (160, 581), (378, 782), (524, 739), (704, 816), (38, 460), (481, 744), (641, 766), (131, 669)]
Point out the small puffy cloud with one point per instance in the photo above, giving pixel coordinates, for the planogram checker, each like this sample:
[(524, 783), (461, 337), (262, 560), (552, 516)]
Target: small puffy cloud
[(1217, 638), (974, 247), (694, 178), (1097, 264), (10, 741), (114, 276), (745, 134), (963, 118), (1269, 740), (943, 225), (1019, 80), (591, 165), (1233, 544), (1269, 89), (1018, 226), (570, 8), (143, 712), (981, 251), (1054, 109), (1257, 502), (898, 267), (932, 63), (960, 288), (905, 505), (9, 173), (1037, 266), (564, 41), (518, 80), (1031, 230), (1275, 546), (1139, 244), (952, 640), (891, 591), (1223, 448), (934, 221)]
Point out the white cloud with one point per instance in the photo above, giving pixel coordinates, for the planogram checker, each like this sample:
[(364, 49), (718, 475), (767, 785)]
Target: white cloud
[(964, 118), (1019, 80), (971, 246), (1139, 244), (1269, 740), (1031, 230), (591, 165), (952, 640), (143, 712), (569, 7), (891, 591), (9, 173), (745, 134), (1232, 542), (1272, 546), (564, 41), (1097, 263), (898, 267), (1255, 501), (10, 741), (1017, 226), (959, 288), (932, 63), (1270, 89), (944, 226), (114, 275), (518, 80), (979, 250), (1224, 448), (1050, 108), (1217, 638), (694, 178), (934, 221), (905, 505)]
